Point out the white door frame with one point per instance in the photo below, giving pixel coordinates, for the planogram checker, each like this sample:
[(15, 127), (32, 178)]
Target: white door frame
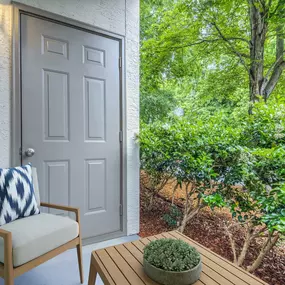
[(19, 9)]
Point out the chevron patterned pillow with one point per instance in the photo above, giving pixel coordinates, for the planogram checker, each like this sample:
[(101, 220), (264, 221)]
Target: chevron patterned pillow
[(17, 195)]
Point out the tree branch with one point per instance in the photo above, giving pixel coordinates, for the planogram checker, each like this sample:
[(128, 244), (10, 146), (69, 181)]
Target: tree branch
[(274, 79), (279, 44), (277, 67), (232, 48), (273, 66), (259, 231), (188, 44), (201, 41), (232, 243), (238, 39), (267, 246), (246, 244)]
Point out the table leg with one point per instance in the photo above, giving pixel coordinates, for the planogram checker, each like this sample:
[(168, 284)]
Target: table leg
[(92, 273)]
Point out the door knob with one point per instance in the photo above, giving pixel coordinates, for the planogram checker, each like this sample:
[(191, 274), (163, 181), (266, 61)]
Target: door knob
[(29, 152)]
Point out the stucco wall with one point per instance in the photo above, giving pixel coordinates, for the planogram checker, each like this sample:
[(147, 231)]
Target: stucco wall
[(118, 16)]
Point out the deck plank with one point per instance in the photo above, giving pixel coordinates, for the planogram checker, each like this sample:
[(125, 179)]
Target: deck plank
[(216, 276), (135, 264), (124, 267), (112, 268), (140, 244), (151, 238), (102, 270), (207, 280), (144, 242), (135, 251)]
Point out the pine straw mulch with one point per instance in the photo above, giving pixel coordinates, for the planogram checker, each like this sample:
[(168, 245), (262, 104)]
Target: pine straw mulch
[(207, 229)]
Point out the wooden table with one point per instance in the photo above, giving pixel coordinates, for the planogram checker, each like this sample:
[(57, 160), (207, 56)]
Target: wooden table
[(122, 265)]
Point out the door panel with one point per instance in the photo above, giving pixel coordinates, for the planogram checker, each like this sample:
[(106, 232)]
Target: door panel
[(95, 177), (56, 98), (57, 183), (95, 109), (71, 117)]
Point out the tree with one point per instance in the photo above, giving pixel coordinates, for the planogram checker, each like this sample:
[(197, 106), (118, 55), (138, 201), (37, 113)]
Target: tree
[(258, 204), (187, 39), (155, 161), (156, 105)]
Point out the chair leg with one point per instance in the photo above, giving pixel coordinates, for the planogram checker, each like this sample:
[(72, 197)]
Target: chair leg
[(92, 273), (80, 265), (9, 279), (8, 261)]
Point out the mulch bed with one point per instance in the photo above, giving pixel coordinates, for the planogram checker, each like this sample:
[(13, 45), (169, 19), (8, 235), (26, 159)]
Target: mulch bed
[(207, 229)]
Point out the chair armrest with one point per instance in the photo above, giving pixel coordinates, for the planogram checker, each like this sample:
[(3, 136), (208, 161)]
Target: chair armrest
[(5, 234), (64, 208), (8, 251)]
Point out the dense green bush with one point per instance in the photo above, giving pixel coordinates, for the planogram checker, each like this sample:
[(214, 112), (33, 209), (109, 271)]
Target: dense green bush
[(229, 161), (171, 255), (266, 127), (258, 202)]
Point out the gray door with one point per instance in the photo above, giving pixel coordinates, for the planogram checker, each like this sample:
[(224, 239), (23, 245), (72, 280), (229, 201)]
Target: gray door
[(71, 118)]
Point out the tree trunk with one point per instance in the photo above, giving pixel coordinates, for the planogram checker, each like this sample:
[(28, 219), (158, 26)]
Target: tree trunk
[(267, 246), (183, 223), (187, 217), (246, 244), (258, 25), (186, 207), (150, 202), (277, 68), (261, 85), (232, 243), (173, 193)]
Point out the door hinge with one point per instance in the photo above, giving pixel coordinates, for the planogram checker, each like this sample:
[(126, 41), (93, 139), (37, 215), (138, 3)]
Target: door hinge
[(120, 62), (121, 136), (121, 210)]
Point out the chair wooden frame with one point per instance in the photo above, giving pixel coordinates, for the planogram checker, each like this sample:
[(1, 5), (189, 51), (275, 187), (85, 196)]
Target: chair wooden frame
[(9, 272)]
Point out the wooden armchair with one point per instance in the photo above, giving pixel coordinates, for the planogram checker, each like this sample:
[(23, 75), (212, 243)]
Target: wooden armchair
[(31, 241)]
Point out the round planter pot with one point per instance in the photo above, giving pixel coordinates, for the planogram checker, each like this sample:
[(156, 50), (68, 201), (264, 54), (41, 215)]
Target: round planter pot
[(171, 277)]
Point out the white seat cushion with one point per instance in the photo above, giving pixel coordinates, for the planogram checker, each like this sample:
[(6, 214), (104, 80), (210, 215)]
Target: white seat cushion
[(36, 235)]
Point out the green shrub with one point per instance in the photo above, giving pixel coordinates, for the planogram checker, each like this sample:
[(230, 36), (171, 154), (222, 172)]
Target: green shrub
[(266, 127), (173, 217), (171, 255), (235, 161)]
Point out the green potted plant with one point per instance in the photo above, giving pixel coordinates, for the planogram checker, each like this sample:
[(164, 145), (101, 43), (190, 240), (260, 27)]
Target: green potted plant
[(171, 261)]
